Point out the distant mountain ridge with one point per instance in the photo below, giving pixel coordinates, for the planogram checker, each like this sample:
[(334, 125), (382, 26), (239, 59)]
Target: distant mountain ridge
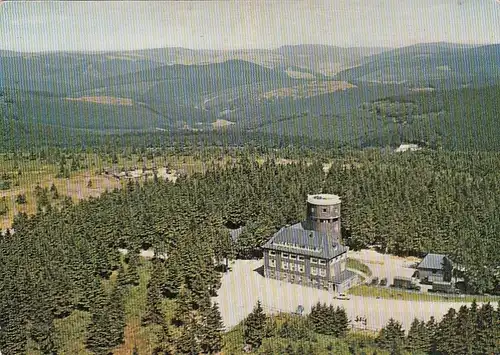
[(178, 89), (442, 65)]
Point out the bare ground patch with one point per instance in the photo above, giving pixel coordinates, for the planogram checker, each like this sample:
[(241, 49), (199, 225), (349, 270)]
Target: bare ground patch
[(106, 100)]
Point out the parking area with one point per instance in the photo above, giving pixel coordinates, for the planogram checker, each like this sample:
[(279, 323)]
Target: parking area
[(243, 286), (385, 266)]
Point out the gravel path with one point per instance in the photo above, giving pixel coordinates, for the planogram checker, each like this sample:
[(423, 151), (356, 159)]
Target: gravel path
[(243, 286)]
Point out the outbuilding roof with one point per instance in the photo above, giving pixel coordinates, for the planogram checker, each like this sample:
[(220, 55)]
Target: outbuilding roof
[(235, 233), (297, 239), (433, 261)]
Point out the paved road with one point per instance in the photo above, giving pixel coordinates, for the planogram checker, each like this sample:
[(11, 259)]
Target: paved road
[(242, 287)]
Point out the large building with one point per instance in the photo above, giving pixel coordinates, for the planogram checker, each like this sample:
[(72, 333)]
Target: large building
[(310, 253)]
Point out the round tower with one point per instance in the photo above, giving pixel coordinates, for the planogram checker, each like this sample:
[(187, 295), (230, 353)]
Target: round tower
[(323, 214)]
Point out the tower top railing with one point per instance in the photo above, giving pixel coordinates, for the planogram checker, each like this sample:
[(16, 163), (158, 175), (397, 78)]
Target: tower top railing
[(323, 199)]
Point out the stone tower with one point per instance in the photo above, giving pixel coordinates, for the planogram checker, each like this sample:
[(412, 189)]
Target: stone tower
[(323, 215)]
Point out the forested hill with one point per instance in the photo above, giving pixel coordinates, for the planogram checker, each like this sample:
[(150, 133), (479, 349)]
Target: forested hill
[(407, 203)]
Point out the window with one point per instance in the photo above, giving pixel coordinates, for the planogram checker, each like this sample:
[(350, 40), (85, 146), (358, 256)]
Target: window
[(300, 258), (314, 260), (312, 209), (322, 262), (272, 253), (272, 263), (301, 268), (293, 267), (314, 271), (284, 265), (324, 210), (292, 256), (322, 272), (284, 255)]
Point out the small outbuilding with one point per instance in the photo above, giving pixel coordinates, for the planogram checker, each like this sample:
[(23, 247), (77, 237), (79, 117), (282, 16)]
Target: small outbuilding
[(435, 268)]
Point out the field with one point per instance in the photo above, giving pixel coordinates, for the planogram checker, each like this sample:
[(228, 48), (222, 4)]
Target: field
[(24, 174)]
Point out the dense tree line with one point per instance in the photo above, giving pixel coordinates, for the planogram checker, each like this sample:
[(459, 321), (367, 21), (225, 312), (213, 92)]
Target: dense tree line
[(472, 330), (56, 255), (420, 202), (406, 203)]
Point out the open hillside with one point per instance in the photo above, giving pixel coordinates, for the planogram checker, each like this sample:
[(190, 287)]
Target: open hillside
[(439, 65), (387, 97)]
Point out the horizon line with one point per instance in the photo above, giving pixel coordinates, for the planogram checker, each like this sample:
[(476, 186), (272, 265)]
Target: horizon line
[(245, 49)]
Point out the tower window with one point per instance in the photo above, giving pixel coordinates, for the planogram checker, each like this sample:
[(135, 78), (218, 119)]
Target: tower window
[(324, 210)]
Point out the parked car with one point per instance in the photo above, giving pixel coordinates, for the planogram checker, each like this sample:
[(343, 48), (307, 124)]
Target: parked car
[(342, 296), (374, 281), (383, 282)]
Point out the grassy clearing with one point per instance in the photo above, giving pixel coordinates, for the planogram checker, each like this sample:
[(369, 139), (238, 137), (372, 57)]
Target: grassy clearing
[(23, 174), (392, 293), (358, 265)]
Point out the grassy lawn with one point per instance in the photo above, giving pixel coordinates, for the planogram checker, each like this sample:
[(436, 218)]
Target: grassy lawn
[(358, 265), (392, 293)]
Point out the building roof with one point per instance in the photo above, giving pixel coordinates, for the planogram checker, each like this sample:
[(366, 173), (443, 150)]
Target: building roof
[(433, 261), (323, 199), (235, 233), (343, 276), (407, 147), (297, 239)]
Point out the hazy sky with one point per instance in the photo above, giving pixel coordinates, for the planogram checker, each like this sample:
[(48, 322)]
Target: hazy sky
[(121, 25)]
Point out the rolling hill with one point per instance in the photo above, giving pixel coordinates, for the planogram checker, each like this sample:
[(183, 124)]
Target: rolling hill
[(437, 65), (285, 92)]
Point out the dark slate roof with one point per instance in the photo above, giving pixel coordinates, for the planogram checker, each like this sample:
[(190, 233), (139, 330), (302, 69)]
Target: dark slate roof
[(297, 239), (432, 261), (235, 233), (343, 276)]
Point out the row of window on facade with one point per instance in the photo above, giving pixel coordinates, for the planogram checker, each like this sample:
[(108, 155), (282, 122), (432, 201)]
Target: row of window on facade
[(325, 210), (285, 265), (296, 278), (298, 257)]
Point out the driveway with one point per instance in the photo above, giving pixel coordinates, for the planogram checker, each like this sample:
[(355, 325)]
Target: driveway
[(383, 265), (243, 286)]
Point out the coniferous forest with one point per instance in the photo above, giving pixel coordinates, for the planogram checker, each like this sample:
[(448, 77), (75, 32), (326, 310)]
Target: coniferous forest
[(66, 259)]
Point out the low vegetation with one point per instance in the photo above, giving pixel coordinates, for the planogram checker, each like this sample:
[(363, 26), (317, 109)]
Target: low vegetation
[(399, 294), (358, 265)]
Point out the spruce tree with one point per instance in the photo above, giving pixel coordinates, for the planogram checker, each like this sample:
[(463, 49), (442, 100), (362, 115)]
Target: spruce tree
[(131, 273), (43, 331), (391, 337), (183, 307), (418, 340), (342, 322), (447, 336), (116, 316), (254, 327), (431, 328), (153, 314), (105, 330), (488, 338), (213, 329), (187, 343), (166, 343), (467, 328)]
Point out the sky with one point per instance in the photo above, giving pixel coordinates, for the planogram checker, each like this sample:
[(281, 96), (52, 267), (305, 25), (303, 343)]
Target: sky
[(237, 24)]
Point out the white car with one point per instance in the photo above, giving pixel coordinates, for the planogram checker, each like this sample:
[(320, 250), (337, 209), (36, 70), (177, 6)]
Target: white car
[(342, 296)]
